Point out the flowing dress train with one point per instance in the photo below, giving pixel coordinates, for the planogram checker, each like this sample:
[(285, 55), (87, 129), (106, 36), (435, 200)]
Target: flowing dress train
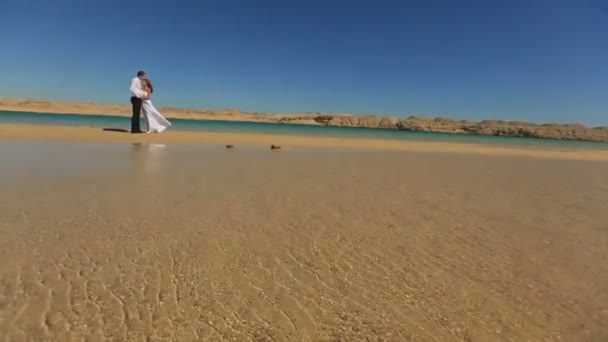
[(156, 121)]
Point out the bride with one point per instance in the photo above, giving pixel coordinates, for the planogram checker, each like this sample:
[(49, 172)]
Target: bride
[(156, 121)]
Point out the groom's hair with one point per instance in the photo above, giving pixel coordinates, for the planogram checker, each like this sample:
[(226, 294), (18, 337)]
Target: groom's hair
[(141, 73)]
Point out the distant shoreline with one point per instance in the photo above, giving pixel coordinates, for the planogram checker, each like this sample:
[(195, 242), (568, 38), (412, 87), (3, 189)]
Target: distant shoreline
[(572, 132)]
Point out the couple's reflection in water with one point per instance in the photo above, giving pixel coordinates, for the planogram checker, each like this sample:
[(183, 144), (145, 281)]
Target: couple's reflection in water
[(146, 188), (149, 162)]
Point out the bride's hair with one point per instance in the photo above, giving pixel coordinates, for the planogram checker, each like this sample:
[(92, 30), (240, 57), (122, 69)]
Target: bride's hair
[(149, 85)]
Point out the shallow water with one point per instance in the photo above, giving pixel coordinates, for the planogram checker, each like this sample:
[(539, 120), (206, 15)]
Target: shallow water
[(186, 242)]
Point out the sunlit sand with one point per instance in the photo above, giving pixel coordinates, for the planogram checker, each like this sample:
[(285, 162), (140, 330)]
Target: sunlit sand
[(110, 236)]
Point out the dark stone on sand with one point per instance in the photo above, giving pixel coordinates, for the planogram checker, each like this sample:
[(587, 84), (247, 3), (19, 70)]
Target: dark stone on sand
[(229, 146), (275, 147)]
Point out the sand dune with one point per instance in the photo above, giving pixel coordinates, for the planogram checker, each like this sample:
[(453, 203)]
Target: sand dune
[(88, 108), (180, 242)]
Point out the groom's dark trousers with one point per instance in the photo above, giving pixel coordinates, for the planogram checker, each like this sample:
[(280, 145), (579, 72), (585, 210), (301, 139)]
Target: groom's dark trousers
[(136, 102)]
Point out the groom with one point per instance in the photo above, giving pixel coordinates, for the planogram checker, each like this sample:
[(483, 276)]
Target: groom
[(137, 95)]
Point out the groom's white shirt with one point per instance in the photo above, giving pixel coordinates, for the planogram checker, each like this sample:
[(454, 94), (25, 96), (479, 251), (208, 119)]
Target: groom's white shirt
[(137, 89)]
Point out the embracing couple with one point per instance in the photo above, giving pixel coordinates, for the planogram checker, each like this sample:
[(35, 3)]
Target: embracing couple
[(141, 93)]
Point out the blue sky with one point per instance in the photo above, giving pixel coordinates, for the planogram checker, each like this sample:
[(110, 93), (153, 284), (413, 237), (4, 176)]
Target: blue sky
[(536, 60)]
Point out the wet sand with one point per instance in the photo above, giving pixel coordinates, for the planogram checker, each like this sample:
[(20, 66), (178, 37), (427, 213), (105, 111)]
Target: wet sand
[(134, 242), (16, 132)]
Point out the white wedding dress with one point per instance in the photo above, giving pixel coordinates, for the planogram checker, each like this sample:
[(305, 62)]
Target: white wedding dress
[(156, 121)]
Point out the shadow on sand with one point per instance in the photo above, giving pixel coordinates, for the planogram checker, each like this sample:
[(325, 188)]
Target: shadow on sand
[(117, 130)]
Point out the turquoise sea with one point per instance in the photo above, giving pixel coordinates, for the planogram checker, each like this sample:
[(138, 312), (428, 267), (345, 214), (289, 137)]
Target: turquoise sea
[(116, 122)]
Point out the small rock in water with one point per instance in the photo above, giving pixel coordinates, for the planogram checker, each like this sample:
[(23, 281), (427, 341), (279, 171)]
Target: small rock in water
[(229, 146), (275, 147)]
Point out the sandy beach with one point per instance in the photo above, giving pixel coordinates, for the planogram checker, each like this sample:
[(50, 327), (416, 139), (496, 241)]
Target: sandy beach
[(172, 237)]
